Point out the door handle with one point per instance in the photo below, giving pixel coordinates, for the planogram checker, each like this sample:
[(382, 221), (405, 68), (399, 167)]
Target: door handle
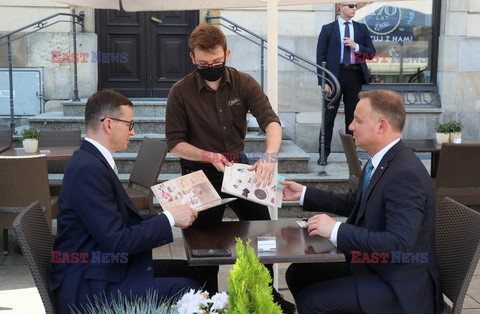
[(154, 19)]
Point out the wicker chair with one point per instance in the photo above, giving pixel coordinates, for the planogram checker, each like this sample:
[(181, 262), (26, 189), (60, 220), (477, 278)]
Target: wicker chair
[(24, 180), (354, 165), (36, 241), (145, 172), (458, 173), (51, 138), (6, 138), (458, 249)]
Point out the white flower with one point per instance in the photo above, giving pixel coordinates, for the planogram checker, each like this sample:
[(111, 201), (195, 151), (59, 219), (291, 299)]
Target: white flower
[(198, 302), (220, 301)]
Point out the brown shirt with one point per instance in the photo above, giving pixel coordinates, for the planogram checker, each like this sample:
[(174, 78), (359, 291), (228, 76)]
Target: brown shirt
[(215, 120)]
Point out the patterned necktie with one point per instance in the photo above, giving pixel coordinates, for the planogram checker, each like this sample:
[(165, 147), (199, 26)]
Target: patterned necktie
[(346, 49), (367, 175)]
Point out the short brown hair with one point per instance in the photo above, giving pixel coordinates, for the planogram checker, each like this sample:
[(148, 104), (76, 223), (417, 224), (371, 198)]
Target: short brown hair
[(207, 37), (389, 104), (105, 103)]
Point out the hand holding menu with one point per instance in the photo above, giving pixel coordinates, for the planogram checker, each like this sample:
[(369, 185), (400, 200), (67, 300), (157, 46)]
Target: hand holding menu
[(238, 181), (193, 189)]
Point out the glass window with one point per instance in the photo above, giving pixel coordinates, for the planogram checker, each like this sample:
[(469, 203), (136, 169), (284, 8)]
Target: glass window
[(402, 34)]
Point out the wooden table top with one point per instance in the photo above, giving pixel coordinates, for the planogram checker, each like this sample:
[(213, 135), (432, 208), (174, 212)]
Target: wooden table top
[(51, 153), (293, 244)]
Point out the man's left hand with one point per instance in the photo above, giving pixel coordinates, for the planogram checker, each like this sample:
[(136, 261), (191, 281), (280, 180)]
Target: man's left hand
[(349, 42), (321, 225), (263, 172)]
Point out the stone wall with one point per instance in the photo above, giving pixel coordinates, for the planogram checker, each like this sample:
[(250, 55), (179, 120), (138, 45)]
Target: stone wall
[(459, 64)]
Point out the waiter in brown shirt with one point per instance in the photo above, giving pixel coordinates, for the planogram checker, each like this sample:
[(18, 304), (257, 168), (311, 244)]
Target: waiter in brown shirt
[(206, 127)]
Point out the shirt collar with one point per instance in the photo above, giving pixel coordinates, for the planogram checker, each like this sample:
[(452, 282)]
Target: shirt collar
[(342, 21), (105, 152), (201, 81), (378, 156)]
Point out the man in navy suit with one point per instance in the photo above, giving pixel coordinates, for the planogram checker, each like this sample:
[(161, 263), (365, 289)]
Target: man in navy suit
[(344, 45), (103, 244), (388, 238)]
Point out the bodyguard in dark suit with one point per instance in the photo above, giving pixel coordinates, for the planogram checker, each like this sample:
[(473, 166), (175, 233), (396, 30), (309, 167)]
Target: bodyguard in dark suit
[(388, 238), (103, 243), (345, 50)]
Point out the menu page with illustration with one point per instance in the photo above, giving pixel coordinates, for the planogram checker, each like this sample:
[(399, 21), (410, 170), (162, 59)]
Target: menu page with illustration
[(238, 181), (193, 189)]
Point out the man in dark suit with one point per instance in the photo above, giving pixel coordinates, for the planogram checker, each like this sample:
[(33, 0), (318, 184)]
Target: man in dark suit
[(388, 238), (103, 244), (344, 45)]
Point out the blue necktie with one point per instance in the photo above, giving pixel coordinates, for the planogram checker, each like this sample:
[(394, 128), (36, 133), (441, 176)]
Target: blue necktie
[(367, 175), (346, 49)]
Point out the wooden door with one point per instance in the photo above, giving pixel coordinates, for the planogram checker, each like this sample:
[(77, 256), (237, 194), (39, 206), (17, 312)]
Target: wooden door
[(141, 54)]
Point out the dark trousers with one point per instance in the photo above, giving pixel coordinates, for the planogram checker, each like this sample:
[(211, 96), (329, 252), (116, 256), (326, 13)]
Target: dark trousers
[(331, 288), (245, 210), (350, 85)]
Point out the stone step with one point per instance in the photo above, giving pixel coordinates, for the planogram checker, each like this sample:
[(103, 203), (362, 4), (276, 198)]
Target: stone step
[(147, 107), (291, 159), (57, 121)]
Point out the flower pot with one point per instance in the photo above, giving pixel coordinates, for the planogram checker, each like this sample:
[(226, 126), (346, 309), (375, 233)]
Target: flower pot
[(442, 137), (456, 137), (30, 145)]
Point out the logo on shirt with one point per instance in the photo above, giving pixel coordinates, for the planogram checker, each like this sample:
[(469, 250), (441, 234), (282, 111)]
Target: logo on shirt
[(234, 102)]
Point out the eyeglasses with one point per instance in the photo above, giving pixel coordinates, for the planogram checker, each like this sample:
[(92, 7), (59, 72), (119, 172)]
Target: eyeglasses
[(130, 127), (350, 5), (211, 65)]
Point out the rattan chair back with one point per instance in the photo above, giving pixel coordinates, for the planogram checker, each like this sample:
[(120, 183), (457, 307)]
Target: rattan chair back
[(6, 138), (145, 172), (354, 166), (457, 235), (25, 180), (36, 241), (458, 173), (52, 138)]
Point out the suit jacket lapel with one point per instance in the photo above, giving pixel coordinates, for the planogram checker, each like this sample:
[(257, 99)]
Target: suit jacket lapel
[(92, 149), (336, 32), (379, 171), (356, 31)]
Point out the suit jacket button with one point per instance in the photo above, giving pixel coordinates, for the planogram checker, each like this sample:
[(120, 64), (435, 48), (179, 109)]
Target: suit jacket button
[(149, 268)]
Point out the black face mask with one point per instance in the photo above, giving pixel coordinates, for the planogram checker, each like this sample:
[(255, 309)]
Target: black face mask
[(212, 74)]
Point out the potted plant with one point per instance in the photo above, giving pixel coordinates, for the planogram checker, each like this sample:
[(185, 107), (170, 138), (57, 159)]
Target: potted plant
[(443, 132), (455, 128), (30, 140)]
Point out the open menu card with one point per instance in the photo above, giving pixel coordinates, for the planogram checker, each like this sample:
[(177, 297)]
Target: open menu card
[(238, 181), (193, 189)]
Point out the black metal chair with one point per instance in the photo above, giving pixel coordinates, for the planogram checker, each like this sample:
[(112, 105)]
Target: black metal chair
[(36, 242), (457, 235)]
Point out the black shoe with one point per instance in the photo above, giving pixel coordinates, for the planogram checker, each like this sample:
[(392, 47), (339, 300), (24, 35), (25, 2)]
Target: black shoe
[(319, 162), (287, 307)]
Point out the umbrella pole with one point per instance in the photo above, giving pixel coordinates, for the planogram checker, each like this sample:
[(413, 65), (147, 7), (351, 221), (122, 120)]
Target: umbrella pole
[(322, 171)]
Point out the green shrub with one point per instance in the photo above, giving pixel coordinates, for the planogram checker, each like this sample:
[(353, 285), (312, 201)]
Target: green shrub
[(442, 128), (249, 281), (29, 133)]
